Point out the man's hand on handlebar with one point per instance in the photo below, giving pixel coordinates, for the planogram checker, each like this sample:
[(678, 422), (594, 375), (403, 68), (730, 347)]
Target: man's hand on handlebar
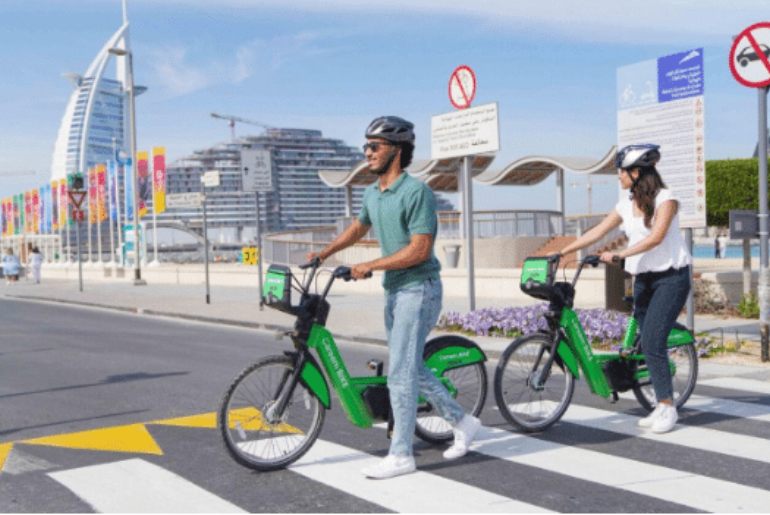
[(360, 271), (312, 255), (610, 257)]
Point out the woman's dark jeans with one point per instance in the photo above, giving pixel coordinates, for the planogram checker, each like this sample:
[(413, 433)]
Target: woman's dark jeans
[(658, 299)]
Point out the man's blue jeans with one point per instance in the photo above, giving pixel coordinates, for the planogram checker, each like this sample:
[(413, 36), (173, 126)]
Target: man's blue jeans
[(410, 314)]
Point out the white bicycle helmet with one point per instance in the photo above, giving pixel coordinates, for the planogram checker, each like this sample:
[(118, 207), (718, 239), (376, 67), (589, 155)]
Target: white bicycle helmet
[(391, 128), (637, 156)]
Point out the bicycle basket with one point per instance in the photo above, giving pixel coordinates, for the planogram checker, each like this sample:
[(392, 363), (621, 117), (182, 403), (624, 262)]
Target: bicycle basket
[(537, 277), (276, 292)]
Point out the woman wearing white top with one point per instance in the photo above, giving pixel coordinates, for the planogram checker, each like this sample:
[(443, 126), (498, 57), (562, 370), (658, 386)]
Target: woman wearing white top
[(659, 259)]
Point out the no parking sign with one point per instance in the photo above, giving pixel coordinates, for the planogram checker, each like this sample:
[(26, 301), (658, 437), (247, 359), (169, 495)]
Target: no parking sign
[(749, 56)]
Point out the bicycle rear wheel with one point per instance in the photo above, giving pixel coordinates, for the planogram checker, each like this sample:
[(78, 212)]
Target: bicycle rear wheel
[(470, 383), (524, 405), (252, 434), (684, 377)]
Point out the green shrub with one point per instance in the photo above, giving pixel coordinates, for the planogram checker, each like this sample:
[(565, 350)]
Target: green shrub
[(730, 184), (749, 305)]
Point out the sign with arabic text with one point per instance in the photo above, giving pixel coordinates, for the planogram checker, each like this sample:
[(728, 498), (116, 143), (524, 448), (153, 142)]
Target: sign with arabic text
[(472, 131)]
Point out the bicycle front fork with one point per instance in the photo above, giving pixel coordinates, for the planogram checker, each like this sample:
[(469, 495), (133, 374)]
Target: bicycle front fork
[(537, 382)]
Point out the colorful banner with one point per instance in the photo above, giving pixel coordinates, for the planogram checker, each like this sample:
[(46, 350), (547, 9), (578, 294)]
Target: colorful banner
[(101, 179), (159, 179), (18, 214), (63, 203), (48, 209), (93, 197), (4, 223), (128, 189), (40, 209), (143, 181), (112, 175), (54, 186), (28, 216)]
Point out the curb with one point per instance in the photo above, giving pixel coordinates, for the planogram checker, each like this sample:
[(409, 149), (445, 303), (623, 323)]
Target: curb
[(197, 318)]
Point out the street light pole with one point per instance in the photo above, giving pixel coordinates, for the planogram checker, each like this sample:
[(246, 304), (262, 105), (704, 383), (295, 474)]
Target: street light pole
[(132, 120)]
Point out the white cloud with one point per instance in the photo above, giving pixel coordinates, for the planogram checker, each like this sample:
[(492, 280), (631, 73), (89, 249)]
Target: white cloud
[(178, 76)]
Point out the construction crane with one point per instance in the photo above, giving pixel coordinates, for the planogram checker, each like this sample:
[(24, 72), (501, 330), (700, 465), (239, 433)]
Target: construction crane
[(233, 119)]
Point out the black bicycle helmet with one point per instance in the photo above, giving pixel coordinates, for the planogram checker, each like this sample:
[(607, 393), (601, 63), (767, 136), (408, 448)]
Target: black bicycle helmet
[(637, 156), (391, 128)]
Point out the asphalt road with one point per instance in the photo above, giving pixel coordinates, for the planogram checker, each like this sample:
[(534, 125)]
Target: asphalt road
[(67, 370)]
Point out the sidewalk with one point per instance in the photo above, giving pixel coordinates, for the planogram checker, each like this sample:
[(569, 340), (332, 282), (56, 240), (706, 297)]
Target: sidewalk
[(357, 318)]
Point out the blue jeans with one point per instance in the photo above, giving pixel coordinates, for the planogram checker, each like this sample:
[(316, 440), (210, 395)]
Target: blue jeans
[(410, 314), (658, 299)]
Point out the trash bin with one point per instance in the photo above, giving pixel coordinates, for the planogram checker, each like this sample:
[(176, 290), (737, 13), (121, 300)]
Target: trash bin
[(615, 288), (452, 253)]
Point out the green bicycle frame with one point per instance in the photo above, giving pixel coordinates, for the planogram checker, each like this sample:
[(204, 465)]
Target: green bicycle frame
[(576, 353), (349, 389)]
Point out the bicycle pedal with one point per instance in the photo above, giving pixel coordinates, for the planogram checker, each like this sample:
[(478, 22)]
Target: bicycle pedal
[(376, 365)]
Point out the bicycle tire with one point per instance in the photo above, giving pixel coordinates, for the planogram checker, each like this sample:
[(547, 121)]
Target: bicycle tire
[(470, 383), (686, 368), (255, 442), (522, 405)]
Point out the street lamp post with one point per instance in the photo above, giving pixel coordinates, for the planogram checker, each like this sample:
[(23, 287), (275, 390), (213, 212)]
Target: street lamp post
[(132, 118)]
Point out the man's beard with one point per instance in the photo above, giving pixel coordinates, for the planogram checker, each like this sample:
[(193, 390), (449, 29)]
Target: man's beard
[(384, 168)]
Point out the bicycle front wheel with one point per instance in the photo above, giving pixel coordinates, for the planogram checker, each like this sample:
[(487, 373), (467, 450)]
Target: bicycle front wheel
[(683, 378), (523, 403), (256, 436)]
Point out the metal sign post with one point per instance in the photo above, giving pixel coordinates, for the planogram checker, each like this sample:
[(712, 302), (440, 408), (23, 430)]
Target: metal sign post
[(257, 176), (764, 271), (465, 133), (206, 250), (750, 65)]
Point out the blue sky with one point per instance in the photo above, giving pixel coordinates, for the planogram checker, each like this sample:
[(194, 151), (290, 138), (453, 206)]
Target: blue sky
[(335, 65)]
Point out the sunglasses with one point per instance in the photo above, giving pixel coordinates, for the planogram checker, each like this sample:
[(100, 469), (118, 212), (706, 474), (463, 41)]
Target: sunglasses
[(374, 146)]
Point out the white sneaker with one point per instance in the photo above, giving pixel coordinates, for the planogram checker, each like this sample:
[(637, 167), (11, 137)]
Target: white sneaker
[(464, 432), (647, 421), (666, 420), (390, 466)]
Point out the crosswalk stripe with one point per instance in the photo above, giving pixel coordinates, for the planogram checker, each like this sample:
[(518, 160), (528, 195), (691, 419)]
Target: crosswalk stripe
[(729, 407), (136, 486), (420, 492), (721, 406), (739, 383), (712, 440), (695, 491)]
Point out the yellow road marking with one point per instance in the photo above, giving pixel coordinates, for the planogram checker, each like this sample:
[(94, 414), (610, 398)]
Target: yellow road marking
[(250, 419), (206, 420), (132, 438), (5, 450)]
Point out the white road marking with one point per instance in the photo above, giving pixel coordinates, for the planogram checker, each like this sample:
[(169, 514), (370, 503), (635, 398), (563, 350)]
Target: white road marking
[(684, 488), (137, 486), (739, 383), (419, 492), (712, 440)]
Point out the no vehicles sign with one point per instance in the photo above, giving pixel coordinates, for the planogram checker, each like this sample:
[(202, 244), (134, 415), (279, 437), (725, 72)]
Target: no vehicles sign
[(749, 56), (462, 87)]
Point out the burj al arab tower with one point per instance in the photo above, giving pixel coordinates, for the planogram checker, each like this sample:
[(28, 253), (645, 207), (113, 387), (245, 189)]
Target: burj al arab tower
[(96, 120)]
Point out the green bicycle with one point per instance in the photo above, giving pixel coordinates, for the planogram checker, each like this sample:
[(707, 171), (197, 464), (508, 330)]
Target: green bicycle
[(273, 411), (535, 377)]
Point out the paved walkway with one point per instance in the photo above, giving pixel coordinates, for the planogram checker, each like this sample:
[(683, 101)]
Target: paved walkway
[(353, 317)]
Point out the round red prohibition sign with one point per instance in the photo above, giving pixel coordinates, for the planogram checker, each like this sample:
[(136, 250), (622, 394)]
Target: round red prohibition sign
[(749, 56), (462, 87)]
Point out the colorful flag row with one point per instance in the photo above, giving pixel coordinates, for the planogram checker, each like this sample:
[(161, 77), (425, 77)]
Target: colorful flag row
[(45, 209)]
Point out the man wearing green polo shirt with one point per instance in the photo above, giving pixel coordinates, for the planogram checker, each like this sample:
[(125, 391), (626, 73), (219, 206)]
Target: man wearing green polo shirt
[(403, 212)]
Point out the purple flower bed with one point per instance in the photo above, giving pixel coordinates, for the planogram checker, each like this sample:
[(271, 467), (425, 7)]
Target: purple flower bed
[(604, 329)]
